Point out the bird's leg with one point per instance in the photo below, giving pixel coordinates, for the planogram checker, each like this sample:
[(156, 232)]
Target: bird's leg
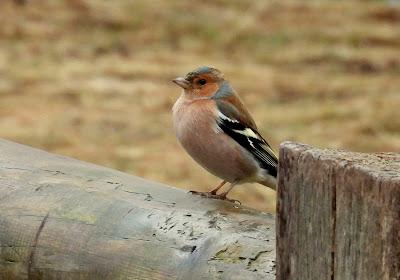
[(224, 194), (214, 191), (211, 193)]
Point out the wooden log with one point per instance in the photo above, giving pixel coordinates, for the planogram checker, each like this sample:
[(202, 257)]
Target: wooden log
[(61, 218), (338, 214)]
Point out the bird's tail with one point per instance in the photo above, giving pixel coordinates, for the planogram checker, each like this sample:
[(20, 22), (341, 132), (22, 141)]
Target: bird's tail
[(270, 182)]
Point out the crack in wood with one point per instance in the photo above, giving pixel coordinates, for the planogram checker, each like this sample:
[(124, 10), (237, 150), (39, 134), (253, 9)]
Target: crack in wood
[(116, 246), (254, 259), (333, 230), (147, 196), (34, 245)]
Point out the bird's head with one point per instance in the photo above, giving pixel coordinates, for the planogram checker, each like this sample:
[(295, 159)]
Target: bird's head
[(204, 81)]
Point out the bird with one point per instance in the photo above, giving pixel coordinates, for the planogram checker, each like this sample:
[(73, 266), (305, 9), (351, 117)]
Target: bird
[(215, 128)]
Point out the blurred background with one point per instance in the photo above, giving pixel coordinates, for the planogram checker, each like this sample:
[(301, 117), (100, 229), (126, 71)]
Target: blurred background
[(91, 78)]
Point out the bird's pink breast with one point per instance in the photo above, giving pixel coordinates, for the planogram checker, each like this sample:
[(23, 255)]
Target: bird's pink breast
[(197, 130)]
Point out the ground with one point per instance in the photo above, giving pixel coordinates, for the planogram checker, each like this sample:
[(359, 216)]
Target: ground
[(92, 79)]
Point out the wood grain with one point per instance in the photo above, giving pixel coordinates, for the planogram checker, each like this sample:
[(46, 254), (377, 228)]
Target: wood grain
[(338, 214), (65, 219)]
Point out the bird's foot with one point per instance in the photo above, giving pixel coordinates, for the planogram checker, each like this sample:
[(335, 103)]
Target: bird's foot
[(204, 194), (214, 195)]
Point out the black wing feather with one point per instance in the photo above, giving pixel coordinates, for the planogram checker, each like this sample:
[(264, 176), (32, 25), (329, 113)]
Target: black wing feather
[(256, 146)]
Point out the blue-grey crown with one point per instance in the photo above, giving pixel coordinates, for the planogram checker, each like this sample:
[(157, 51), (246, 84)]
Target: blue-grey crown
[(204, 70)]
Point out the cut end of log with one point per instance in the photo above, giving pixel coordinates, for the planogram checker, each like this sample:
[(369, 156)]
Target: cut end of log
[(382, 165)]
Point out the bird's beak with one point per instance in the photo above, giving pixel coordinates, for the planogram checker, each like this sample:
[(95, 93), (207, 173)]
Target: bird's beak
[(181, 82)]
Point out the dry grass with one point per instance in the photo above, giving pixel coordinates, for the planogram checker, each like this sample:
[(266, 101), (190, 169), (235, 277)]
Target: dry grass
[(91, 79)]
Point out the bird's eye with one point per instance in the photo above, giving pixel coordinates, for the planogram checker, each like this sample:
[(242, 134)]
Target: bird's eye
[(202, 82)]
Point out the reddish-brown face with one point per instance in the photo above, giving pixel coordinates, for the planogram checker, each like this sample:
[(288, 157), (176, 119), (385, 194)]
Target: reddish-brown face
[(204, 85), (203, 82)]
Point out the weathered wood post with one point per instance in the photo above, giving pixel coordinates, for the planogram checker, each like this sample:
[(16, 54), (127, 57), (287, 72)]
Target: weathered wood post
[(61, 218), (338, 215)]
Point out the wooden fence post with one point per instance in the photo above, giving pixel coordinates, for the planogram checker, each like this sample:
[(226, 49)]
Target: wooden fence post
[(338, 215)]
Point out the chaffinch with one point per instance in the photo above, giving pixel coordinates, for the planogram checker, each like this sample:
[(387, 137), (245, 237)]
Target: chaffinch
[(215, 128)]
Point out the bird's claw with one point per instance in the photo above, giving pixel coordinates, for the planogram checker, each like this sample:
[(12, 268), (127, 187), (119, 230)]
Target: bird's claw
[(215, 196)]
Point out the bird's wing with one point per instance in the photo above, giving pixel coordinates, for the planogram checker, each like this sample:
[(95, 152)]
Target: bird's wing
[(229, 102), (241, 128)]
